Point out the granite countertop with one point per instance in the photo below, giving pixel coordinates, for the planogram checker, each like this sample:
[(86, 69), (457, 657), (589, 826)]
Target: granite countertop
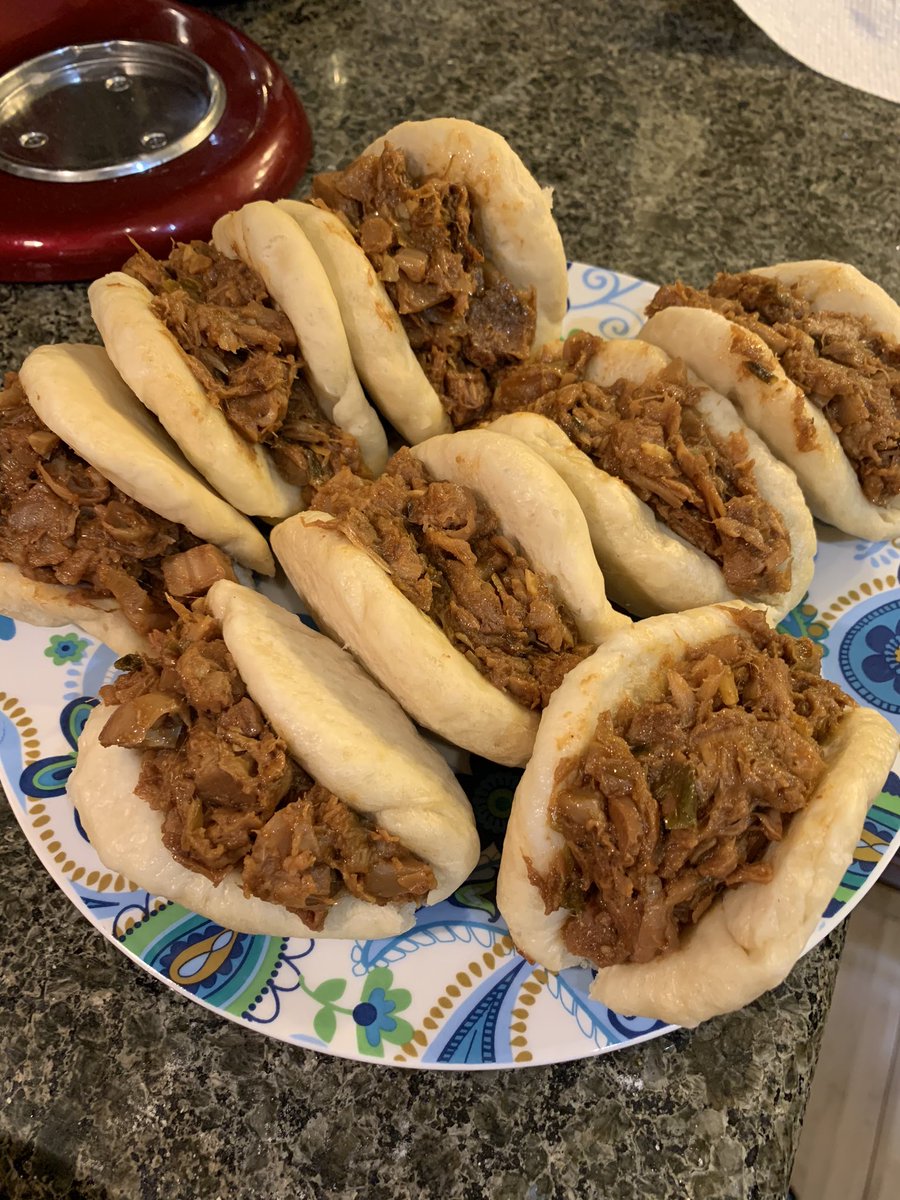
[(679, 141)]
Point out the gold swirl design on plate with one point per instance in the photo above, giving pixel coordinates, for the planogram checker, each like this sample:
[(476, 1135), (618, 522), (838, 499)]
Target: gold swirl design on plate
[(869, 587), (214, 956), (101, 881), (528, 993), (453, 991)]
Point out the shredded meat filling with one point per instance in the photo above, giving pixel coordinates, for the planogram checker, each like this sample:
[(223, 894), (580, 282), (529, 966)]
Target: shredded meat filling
[(678, 798), (445, 551), (244, 352), (838, 360), (463, 318), (61, 522), (232, 796), (653, 437)]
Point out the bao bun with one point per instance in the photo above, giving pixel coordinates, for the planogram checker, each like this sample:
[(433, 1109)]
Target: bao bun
[(79, 396), (341, 727), (720, 350), (750, 938)]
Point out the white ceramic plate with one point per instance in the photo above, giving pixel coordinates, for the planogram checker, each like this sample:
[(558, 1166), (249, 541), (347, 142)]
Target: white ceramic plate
[(451, 993)]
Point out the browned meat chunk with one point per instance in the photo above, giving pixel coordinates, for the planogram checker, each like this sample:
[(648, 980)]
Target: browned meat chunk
[(679, 797), (230, 793), (193, 572), (446, 553), (464, 320), (653, 437), (61, 522), (244, 352), (840, 363)]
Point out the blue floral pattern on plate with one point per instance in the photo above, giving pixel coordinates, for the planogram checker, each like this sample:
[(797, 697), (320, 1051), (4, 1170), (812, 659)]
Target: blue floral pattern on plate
[(869, 650)]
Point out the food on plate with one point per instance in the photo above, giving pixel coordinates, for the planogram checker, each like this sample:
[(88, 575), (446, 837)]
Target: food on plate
[(447, 265), (696, 792), (810, 352), (238, 348), (100, 515), (244, 766), (463, 579), (685, 505)]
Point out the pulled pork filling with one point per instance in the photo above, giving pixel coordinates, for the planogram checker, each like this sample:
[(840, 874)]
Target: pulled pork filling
[(244, 352), (464, 320), (678, 798), (61, 522), (230, 793), (653, 437), (444, 549), (844, 367)]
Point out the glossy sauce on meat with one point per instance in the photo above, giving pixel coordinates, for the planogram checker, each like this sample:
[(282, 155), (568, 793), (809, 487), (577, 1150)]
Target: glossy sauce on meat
[(61, 522), (839, 361), (464, 320), (232, 796), (243, 350), (444, 550), (678, 798), (653, 437)]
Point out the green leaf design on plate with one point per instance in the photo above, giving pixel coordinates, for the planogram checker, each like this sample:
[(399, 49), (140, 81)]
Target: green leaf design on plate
[(329, 991), (325, 1023)]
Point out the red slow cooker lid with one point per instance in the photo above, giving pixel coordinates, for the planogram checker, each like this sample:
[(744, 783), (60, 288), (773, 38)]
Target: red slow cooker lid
[(259, 148)]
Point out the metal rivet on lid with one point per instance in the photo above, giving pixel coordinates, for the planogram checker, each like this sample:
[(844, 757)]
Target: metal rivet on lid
[(33, 140)]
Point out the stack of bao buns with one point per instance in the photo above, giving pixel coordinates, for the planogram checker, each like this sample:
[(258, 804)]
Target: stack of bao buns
[(585, 531)]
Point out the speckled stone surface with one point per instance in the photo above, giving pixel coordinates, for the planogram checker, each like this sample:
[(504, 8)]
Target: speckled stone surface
[(679, 140)]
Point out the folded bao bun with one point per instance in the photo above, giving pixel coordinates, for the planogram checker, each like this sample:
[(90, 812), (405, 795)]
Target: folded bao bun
[(272, 245), (648, 567), (77, 393), (342, 728), (352, 597), (721, 352), (513, 220), (151, 362), (751, 936)]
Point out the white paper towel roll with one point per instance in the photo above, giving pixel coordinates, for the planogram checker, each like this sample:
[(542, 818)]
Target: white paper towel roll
[(856, 42)]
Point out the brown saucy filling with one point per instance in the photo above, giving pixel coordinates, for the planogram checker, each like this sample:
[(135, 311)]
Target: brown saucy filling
[(243, 350), (842, 365), (61, 522), (678, 798), (444, 549), (652, 437), (231, 795), (464, 320)]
